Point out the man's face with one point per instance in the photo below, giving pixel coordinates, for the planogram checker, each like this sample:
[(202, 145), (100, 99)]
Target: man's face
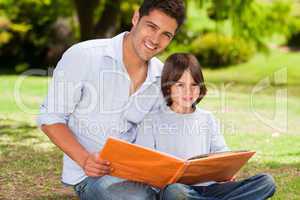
[(152, 33)]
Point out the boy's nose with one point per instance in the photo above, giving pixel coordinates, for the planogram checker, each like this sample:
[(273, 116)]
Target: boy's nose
[(189, 91)]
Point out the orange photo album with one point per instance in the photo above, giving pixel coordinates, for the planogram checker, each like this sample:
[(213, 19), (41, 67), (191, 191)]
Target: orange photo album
[(142, 164)]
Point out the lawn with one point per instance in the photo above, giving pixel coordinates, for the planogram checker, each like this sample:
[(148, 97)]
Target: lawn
[(264, 120)]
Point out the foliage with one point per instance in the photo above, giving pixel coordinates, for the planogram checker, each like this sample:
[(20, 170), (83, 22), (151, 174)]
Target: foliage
[(294, 37), (252, 20), (26, 28), (215, 50)]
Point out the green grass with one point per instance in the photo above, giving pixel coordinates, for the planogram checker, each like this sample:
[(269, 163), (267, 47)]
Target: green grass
[(30, 165)]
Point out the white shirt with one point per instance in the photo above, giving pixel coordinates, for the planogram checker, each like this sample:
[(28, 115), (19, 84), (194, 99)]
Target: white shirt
[(90, 93)]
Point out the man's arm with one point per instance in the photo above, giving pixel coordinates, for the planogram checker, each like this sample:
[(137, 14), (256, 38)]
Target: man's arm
[(63, 138), (61, 103)]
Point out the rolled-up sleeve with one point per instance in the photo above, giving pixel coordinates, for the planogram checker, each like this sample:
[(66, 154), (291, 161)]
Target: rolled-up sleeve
[(65, 89)]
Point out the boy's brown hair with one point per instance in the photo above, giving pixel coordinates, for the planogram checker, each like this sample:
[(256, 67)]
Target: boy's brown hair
[(174, 67)]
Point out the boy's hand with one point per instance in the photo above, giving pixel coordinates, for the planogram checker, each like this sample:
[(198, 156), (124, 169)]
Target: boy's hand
[(233, 178), (230, 180), (94, 167)]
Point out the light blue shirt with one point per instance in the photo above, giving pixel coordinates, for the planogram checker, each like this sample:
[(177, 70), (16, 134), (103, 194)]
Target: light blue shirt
[(182, 135), (90, 93)]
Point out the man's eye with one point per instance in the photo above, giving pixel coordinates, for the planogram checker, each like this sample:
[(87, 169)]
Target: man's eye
[(168, 36), (151, 26)]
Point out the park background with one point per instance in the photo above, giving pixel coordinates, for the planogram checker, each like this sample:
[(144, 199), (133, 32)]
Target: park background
[(249, 50)]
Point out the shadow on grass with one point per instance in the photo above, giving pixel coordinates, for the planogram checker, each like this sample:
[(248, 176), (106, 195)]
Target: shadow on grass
[(17, 130), (38, 170), (38, 167)]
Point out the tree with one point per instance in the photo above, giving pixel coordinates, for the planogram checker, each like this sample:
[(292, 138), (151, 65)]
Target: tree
[(103, 18), (26, 29), (252, 20)]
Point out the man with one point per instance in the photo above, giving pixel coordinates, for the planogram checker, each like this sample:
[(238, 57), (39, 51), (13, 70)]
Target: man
[(104, 88)]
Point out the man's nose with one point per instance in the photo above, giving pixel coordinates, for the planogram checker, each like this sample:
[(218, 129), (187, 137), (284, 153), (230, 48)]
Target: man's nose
[(155, 38)]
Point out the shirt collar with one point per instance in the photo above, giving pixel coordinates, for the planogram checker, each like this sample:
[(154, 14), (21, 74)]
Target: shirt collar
[(115, 51), (115, 47)]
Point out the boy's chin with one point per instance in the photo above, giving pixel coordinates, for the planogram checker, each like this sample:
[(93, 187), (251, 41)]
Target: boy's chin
[(187, 106)]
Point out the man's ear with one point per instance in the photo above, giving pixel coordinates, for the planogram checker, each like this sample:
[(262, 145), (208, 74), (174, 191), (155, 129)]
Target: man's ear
[(136, 17)]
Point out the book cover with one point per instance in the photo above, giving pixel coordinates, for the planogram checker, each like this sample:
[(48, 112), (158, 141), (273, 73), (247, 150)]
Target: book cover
[(142, 164)]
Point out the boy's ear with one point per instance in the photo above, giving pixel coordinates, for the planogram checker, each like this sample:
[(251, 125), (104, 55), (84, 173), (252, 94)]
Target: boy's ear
[(136, 17)]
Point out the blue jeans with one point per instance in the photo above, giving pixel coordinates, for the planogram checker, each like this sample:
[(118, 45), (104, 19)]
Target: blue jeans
[(113, 188), (259, 187)]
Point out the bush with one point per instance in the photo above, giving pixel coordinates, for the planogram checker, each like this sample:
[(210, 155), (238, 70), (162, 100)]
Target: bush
[(28, 31), (216, 50), (294, 37)]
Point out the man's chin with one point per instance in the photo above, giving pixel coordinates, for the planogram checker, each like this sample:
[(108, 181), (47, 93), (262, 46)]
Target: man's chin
[(148, 56)]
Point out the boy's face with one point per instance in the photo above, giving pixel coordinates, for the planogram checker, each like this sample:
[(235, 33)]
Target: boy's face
[(152, 33), (184, 92)]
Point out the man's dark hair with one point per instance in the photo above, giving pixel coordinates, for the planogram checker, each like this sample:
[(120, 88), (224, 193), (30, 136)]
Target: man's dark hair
[(172, 8), (174, 67)]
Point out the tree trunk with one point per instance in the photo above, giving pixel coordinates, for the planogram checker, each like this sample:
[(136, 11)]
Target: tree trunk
[(85, 11), (110, 20)]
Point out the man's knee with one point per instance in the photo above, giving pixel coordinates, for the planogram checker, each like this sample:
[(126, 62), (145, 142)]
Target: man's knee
[(98, 186), (175, 191), (109, 187)]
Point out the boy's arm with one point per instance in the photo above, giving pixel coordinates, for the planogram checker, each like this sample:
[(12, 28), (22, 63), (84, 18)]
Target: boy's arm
[(217, 142)]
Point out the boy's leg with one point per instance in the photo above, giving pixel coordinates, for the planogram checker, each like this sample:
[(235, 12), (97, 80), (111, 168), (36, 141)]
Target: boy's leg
[(178, 191), (258, 187), (113, 188)]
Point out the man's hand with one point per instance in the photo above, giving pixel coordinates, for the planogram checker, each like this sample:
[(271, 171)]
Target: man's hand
[(94, 167)]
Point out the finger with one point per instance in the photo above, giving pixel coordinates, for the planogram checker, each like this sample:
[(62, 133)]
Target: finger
[(104, 167), (103, 170), (92, 170), (94, 165), (90, 174), (103, 162), (98, 166), (96, 173), (93, 161)]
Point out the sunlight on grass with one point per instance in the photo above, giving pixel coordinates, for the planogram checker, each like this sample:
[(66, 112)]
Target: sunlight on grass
[(28, 157)]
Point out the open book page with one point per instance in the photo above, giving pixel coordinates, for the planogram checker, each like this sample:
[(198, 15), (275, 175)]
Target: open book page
[(215, 154), (138, 163), (217, 167)]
